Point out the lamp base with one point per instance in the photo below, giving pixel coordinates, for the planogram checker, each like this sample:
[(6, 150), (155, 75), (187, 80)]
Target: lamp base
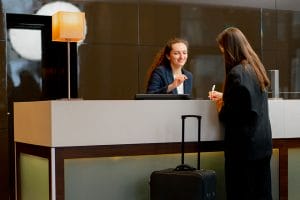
[(70, 99)]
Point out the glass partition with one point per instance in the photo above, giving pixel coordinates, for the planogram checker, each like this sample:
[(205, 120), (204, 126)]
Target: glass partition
[(124, 36), (128, 177), (121, 43), (34, 176)]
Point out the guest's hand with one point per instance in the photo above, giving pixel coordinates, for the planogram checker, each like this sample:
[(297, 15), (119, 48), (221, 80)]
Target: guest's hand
[(219, 104), (215, 95)]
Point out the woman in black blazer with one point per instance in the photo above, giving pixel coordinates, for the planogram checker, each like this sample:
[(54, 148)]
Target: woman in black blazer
[(243, 109), (166, 74)]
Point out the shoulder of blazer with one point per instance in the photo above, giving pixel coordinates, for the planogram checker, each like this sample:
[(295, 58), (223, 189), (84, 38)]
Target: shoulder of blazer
[(165, 73), (241, 76), (163, 69)]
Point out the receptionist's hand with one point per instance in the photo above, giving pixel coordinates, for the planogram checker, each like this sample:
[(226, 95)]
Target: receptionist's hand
[(178, 80)]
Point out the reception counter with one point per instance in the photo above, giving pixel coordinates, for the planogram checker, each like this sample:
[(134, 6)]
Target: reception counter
[(57, 141), (85, 123)]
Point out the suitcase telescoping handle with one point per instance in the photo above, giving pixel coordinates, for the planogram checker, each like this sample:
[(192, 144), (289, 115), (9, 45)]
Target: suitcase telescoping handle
[(198, 117)]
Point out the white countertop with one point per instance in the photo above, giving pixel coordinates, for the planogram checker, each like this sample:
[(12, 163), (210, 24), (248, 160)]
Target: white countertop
[(61, 123)]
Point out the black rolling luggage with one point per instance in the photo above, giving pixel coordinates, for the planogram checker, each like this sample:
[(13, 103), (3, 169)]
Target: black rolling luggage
[(184, 182)]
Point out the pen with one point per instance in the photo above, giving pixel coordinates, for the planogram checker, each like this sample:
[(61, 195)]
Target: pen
[(213, 88), (212, 91)]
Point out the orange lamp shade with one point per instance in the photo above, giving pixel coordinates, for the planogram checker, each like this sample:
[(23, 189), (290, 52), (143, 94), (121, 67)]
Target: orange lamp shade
[(68, 26)]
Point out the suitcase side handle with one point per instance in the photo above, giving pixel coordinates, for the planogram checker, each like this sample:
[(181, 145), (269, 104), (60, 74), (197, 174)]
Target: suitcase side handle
[(198, 117), (184, 167)]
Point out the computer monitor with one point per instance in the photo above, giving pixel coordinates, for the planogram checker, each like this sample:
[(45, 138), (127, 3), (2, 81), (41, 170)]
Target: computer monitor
[(162, 97)]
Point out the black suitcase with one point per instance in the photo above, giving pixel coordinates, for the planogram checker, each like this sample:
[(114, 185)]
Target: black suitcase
[(184, 182)]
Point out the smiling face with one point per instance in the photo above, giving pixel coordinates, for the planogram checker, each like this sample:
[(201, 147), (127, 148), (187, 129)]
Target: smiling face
[(178, 55)]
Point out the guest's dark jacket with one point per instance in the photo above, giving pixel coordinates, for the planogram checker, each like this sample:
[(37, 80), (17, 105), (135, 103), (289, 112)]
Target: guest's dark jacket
[(245, 116), (162, 76)]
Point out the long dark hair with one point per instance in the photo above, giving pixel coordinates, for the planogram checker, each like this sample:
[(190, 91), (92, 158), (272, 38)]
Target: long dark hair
[(161, 56), (237, 50)]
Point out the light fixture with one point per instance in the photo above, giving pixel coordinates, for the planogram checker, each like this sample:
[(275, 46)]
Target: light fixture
[(68, 27)]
